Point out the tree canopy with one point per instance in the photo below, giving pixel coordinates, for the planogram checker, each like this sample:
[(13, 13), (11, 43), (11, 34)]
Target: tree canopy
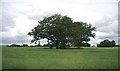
[(106, 43), (62, 31)]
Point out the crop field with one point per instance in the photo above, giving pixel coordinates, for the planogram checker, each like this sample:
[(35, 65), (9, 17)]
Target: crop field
[(44, 58)]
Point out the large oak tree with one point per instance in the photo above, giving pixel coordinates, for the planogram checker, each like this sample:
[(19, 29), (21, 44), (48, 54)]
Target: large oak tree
[(61, 31)]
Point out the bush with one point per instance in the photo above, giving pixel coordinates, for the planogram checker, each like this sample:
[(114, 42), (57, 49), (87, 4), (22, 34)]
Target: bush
[(35, 45), (106, 43), (14, 45), (117, 45), (85, 45), (25, 45)]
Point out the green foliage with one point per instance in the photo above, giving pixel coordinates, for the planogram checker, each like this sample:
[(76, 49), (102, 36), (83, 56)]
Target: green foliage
[(117, 45), (85, 45), (81, 33), (25, 45), (106, 43), (38, 58), (62, 32), (14, 45)]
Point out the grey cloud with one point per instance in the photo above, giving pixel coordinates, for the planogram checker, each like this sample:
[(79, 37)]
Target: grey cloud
[(103, 22), (35, 17), (110, 28), (119, 19), (10, 10), (107, 25), (7, 21), (38, 14), (109, 36), (6, 18), (21, 39)]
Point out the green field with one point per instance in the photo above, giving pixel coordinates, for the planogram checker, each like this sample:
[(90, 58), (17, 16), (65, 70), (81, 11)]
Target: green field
[(39, 58)]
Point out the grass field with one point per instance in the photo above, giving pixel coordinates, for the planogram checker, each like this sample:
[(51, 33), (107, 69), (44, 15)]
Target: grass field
[(39, 58)]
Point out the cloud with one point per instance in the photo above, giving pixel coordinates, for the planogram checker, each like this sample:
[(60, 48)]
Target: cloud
[(10, 11), (108, 25), (106, 28), (103, 35), (21, 39), (20, 16), (37, 15), (6, 18), (100, 36), (8, 22)]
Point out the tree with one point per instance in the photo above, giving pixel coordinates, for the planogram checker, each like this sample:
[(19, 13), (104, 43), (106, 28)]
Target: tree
[(106, 43), (61, 31), (85, 45), (82, 32), (113, 43)]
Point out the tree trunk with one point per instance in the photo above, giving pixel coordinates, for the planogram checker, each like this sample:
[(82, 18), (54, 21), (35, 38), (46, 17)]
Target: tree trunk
[(79, 47), (39, 43)]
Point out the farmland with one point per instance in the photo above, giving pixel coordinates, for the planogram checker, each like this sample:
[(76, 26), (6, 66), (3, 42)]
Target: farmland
[(44, 58)]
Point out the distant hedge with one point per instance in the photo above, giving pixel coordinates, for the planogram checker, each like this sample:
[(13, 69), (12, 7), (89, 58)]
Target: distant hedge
[(25, 45), (14, 45), (106, 43)]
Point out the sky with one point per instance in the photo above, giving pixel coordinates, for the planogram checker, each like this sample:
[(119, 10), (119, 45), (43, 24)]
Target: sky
[(18, 17)]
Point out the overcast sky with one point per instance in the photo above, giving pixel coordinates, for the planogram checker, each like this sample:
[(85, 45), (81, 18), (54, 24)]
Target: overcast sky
[(18, 17)]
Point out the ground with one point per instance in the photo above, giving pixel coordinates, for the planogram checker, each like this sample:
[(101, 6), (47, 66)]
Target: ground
[(43, 58)]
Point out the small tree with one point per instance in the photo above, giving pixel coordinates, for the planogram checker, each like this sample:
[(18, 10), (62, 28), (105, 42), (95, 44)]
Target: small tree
[(106, 43)]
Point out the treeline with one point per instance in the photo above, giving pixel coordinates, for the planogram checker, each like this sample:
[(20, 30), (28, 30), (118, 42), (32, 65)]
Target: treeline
[(45, 45), (104, 43), (17, 45), (82, 45), (24, 45)]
